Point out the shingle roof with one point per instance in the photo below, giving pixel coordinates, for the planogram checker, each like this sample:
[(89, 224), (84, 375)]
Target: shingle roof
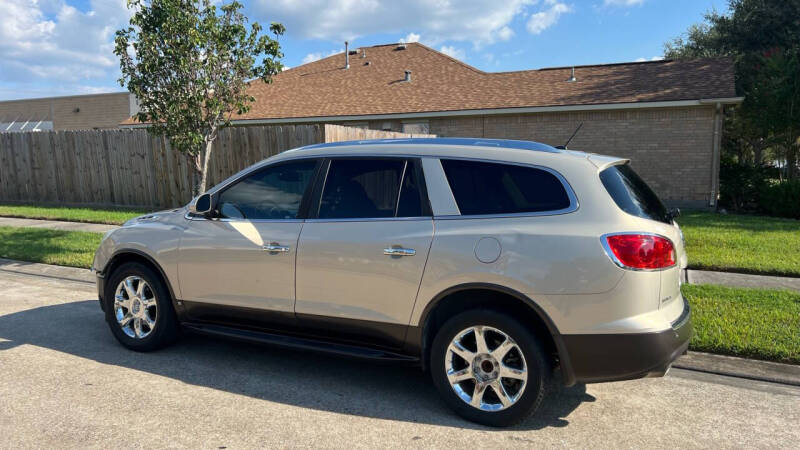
[(441, 83)]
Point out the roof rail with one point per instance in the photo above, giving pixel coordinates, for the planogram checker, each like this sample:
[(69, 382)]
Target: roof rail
[(502, 143)]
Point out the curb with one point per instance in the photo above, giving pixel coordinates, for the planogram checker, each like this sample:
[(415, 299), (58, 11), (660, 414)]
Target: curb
[(47, 271), (731, 366)]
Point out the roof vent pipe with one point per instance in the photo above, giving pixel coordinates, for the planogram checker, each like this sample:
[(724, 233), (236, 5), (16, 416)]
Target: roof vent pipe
[(572, 78), (346, 56), (363, 53), (408, 76)]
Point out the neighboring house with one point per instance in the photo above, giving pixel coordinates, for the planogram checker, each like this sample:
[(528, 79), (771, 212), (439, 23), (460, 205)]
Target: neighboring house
[(666, 116), (76, 112)]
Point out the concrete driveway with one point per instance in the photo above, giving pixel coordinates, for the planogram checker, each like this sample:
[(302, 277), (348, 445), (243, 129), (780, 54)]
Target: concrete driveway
[(65, 382)]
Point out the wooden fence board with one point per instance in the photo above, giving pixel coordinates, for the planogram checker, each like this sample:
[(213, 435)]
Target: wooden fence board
[(133, 168)]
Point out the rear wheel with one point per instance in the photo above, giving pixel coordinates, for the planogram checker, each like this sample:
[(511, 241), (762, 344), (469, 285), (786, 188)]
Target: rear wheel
[(139, 309), (488, 367)]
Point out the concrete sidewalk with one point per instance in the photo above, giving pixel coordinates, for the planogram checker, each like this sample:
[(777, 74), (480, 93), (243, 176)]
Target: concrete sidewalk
[(56, 225), (741, 280)]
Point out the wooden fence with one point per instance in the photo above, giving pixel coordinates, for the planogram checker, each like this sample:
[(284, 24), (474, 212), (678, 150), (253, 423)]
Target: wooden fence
[(132, 168)]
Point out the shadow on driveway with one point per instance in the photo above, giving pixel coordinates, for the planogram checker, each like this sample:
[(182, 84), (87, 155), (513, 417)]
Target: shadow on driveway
[(308, 380)]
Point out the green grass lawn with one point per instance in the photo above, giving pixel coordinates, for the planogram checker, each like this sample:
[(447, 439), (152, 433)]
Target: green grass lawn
[(64, 248), (750, 323), (110, 216), (741, 243)]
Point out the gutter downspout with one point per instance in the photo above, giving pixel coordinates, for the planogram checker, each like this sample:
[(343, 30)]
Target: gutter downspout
[(715, 155)]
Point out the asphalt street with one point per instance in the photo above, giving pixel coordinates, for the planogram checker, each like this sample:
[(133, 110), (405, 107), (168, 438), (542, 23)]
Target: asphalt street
[(65, 382)]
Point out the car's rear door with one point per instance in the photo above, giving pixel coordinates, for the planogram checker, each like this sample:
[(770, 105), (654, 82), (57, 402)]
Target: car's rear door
[(239, 268), (363, 250)]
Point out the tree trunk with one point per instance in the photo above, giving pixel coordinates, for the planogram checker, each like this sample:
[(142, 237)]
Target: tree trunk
[(194, 162), (206, 159)]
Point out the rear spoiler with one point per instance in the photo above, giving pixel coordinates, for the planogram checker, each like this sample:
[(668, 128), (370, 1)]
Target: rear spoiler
[(602, 161)]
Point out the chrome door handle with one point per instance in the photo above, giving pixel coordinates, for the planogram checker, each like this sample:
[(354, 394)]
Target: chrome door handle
[(399, 251), (274, 247)]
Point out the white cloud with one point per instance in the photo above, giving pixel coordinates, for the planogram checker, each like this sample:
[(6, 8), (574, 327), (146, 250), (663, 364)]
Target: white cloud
[(622, 2), (653, 58), (505, 33), (453, 52), (311, 57), (410, 37), (477, 21), (548, 17), (51, 40)]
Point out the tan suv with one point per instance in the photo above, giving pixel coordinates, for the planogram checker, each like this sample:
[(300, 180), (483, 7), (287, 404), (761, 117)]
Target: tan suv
[(490, 263)]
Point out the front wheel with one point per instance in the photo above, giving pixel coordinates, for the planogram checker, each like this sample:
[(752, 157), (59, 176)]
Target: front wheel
[(489, 368), (139, 308)]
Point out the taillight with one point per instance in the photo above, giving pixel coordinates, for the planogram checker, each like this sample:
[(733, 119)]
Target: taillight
[(640, 251)]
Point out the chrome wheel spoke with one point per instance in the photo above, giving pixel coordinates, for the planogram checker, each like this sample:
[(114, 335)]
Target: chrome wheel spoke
[(510, 372), (128, 285), (498, 389), (477, 395), (462, 352), (480, 340), (502, 350), (125, 320), (137, 327), (458, 376)]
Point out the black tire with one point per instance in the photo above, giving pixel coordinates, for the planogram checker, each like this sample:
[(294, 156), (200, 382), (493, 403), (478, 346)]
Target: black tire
[(166, 329), (539, 371)]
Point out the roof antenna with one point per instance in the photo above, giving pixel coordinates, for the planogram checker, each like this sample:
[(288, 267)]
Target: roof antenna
[(564, 147)]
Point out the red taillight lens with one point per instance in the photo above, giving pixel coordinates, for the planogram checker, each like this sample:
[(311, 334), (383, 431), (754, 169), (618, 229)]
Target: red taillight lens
[(641, 251)]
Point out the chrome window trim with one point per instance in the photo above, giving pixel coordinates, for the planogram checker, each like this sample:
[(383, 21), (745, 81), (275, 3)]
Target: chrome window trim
[(615, 260), (372, 219), (188, 216)]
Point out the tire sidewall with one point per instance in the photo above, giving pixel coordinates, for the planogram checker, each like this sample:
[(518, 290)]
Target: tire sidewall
[(165, 318), (538, 372)]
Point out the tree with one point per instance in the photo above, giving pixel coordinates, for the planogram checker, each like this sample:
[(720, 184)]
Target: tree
[(189, 64), (763, 38)]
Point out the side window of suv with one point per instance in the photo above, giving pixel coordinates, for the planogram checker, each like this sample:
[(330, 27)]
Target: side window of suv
[(272, 193), (370, 188), (492, 188)]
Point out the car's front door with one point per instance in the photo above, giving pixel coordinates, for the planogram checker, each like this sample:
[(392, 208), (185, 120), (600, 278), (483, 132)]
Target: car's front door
[(363, 250), (239, 267)]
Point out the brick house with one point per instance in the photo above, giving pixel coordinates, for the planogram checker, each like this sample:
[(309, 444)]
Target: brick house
[(74, 112), (665, 116)]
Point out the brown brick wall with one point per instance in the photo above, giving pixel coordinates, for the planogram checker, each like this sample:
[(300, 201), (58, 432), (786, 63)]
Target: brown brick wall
[(671, 148)]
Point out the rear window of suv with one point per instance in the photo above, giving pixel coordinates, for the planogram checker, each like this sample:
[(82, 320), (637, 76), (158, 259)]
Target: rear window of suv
[(491, 188), (632, 194)]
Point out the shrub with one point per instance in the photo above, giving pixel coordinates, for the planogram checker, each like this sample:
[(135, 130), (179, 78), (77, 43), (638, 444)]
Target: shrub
[(741, 185), (781, 199)]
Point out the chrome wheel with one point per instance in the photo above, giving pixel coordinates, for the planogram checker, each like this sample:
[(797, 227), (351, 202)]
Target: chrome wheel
[(135, 307), (486, 368)]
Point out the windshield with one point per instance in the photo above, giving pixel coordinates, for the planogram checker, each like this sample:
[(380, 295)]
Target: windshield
[(632, 194)]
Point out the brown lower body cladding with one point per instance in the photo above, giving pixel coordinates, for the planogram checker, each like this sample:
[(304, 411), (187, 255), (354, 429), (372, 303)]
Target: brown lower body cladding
[(671, 148)]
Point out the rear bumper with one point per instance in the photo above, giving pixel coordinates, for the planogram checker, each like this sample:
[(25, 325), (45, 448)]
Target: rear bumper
[(596, 358)]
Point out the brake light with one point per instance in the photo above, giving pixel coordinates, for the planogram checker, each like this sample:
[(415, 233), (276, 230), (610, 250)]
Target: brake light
[(640, 251)]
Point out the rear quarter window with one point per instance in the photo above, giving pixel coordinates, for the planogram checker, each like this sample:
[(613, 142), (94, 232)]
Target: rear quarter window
[(482, 188), (632, 194)]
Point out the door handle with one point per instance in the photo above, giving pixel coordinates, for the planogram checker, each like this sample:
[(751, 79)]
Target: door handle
[(274, 247), (397, 251)]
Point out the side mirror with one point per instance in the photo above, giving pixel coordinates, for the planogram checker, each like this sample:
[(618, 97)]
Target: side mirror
[(203, 205)]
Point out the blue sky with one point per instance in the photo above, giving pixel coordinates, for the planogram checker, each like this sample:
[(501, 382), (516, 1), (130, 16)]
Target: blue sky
[(64, 47)]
